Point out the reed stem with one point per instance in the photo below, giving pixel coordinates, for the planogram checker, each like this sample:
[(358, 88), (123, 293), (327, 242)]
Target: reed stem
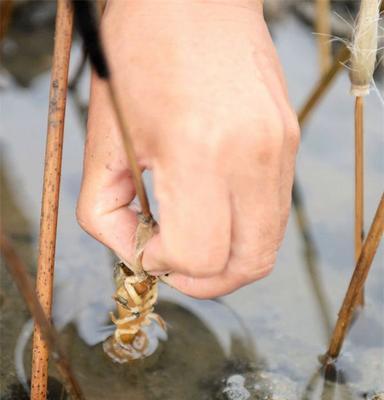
[(358, 279), (363, 51), (51, 189), (86, 19), (323, 30), (19, 274), (6, 7), (359, 182), (129, 149), (323, 84)]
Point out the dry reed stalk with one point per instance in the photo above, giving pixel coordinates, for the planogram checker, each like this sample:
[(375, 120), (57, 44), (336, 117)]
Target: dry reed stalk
[(129, 149), (323, 30), (86, 15), (357, 282), (324, 83), (363, 58), (359, 182), (51, 189), (100, 6), (6, 7), (20, 276)]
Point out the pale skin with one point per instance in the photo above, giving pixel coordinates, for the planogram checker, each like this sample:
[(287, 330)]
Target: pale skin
[(208, 110)]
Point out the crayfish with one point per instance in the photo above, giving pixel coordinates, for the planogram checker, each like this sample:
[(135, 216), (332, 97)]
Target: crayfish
[(135, 296)]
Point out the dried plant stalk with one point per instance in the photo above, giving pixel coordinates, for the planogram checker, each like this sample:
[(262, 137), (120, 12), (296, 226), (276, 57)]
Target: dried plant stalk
[(358, 279), (6, 7), (19, 274), (324, 83), (129, 149), (359, 183), (363, 58), (86, 20), (51, 189), (135, 297), (323, 29)]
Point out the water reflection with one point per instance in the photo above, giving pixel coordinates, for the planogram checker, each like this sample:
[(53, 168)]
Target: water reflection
[(191, 364), (328, 383), (16, 223), (311, 259)]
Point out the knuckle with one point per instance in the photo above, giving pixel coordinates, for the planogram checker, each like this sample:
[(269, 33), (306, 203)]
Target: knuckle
[(284, 221), (257, 267), (271, 129), (260, 140), (292, 132), (269, 140), (85, 216), (263, 272)]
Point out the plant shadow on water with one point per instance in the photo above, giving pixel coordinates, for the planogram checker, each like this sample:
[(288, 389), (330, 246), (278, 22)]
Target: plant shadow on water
[(211, 349)]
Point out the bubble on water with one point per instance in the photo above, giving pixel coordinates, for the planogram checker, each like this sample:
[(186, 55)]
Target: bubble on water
[(235, 389)]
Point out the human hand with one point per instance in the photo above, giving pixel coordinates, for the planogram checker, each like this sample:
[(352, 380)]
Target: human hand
[(206, 103)]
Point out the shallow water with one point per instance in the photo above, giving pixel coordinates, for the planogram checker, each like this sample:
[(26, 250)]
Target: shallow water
[(261, 342)]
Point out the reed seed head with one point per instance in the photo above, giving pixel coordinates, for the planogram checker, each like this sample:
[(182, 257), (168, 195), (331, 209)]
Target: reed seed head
[(364, 47)]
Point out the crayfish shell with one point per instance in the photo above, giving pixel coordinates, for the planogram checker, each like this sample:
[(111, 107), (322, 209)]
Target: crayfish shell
[(138, 328), (122, 353)]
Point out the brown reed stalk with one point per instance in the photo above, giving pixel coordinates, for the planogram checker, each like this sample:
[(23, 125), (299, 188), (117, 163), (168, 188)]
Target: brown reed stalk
[(323, 84), (6, 7), (51, 189), (359, 182), (18, 271), (129, 149), (363, 58), (357, 282), (100, 6), (86, 14), (323, 30)]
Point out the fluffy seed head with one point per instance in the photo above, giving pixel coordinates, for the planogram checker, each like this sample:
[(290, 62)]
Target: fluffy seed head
[(364, 47)]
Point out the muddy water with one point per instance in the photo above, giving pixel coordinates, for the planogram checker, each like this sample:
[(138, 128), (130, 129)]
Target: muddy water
[(261, 342)]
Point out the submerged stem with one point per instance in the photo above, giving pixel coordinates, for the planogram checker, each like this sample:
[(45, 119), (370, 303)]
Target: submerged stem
[(18, 272), (357, 281)]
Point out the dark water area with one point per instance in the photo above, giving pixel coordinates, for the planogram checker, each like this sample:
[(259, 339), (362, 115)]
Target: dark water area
[(261, 342)]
